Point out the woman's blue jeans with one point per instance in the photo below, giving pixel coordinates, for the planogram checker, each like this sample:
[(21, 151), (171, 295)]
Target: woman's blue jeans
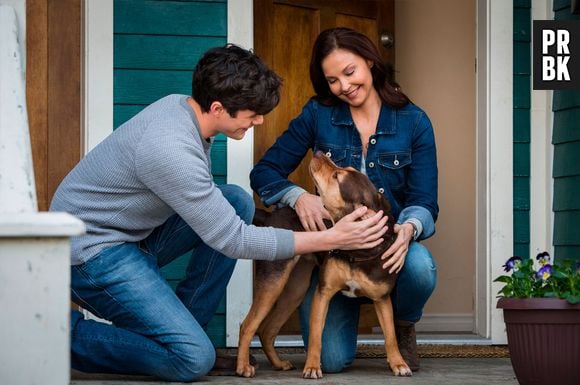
[(415, 284), (155, 331)]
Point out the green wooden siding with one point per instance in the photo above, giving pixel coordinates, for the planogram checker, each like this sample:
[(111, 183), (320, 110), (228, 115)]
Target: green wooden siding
[(521, 124), (156, 46), (566, 166)]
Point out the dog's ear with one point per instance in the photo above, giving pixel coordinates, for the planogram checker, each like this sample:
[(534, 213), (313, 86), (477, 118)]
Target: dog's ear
[(382, 203)]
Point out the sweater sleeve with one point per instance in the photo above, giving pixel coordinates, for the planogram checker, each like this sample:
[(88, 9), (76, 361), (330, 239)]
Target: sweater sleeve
[(174, 166)]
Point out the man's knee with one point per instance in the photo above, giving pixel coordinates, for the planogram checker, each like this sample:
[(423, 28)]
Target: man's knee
[(241, 201), (190, 362)]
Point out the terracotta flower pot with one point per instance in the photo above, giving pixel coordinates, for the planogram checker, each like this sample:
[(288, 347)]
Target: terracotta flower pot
[(543, 340)]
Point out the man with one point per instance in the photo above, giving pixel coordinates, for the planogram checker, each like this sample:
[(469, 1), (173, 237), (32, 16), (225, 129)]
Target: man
[(147, 196)]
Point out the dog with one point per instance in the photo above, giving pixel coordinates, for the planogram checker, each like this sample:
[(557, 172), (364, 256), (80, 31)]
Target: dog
[(281, 285)]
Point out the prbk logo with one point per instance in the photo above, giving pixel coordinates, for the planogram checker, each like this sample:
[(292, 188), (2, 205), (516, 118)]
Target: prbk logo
[(556, 51)]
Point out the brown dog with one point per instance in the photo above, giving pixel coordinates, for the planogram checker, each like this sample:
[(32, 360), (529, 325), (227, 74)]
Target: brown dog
[(355, 273)]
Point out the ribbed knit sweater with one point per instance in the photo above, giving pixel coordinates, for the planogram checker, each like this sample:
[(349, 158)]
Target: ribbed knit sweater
[(151, 167)]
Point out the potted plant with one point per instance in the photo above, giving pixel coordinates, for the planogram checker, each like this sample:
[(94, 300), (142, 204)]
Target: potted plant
[(541, 308)]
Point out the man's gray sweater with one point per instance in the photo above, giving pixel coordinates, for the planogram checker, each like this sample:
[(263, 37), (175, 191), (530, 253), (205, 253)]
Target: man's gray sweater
[(150, 168)]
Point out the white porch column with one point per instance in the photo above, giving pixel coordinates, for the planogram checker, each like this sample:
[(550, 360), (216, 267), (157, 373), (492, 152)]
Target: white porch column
[(35, 297), (17, 189)]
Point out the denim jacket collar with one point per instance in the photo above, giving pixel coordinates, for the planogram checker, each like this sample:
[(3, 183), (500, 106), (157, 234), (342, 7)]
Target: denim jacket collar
[(386, 124)]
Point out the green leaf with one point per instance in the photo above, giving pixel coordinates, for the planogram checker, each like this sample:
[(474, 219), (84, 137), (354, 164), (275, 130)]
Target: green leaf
[(573, 299), (558, 274)]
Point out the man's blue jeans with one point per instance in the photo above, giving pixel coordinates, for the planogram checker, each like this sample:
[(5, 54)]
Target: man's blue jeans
[(415, 284), (155, 331)]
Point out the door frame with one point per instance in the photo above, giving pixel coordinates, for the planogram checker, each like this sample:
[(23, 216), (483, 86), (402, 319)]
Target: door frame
[(494, 222)]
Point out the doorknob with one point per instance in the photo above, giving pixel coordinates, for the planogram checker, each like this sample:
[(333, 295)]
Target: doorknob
[(387, 39)]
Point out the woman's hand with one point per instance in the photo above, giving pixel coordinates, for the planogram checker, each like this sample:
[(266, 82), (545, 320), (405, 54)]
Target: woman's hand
[(396, 254), (350, 233), (311, 212)]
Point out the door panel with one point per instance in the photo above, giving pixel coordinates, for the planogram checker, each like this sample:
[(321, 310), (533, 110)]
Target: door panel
[(284, 32), (297, 29), (361, 24)]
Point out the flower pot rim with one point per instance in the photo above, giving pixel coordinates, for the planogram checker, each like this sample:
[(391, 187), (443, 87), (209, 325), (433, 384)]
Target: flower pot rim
[(536, 303)]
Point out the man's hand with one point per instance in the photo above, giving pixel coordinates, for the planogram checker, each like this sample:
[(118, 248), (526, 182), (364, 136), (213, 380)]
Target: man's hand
[(350, 233), (396, 254), (311, 212)]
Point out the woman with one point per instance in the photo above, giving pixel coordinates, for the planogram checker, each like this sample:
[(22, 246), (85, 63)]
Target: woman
[(359, 119)]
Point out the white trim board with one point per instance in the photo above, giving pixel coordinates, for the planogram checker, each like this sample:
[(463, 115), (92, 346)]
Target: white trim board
[(98, 73), (541, 186), (445, 323), (295, 341), (494, 236), (240, 155)]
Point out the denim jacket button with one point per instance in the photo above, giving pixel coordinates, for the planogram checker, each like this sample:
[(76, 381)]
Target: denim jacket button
[(371, 164), (396, 162), (382, 190), (373, 141), (328, 154)]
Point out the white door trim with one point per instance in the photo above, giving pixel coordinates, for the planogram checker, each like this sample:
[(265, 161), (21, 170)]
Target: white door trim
[(494, 199), (240, 155), (97, 72)]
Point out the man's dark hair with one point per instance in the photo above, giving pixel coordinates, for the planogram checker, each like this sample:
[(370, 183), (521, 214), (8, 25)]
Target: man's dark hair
[(236, 78)]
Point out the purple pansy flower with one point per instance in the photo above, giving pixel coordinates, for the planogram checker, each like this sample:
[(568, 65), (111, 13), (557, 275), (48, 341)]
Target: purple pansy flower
[(512, 263), (544, 272), (543, 258)]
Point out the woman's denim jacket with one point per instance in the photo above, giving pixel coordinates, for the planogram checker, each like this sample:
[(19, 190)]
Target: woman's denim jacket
[(401, 158)]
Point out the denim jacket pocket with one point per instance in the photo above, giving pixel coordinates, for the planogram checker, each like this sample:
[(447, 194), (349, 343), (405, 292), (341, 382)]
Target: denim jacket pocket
[(337, 155), (393, 168)]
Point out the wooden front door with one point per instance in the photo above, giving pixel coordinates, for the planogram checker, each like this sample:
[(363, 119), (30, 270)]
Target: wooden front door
[(53, 90), (284, 32)]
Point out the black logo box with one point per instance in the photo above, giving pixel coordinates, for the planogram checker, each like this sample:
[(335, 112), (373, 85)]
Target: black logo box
[(573, 64)]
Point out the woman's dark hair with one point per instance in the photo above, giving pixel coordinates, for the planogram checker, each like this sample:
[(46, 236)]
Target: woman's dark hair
[(360, 44), (237, 78)]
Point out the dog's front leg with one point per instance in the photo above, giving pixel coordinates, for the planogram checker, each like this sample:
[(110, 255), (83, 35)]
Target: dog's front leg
[(384, 309), (318, 311)]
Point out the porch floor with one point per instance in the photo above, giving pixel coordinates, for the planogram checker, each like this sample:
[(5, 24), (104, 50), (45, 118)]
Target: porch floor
[(367, 371)]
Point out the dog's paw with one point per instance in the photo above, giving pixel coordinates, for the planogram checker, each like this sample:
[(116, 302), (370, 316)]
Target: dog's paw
[(246, 370), (401, 370), (285, 365), (312, 372)]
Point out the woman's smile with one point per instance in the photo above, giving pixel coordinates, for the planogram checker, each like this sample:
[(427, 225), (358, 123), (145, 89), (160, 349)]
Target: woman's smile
[(352, 93)]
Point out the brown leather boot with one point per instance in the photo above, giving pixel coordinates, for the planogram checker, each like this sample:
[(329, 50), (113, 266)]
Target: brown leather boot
[(407, 340)]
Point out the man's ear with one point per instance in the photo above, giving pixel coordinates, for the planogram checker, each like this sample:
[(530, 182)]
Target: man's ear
[(216, 108)]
